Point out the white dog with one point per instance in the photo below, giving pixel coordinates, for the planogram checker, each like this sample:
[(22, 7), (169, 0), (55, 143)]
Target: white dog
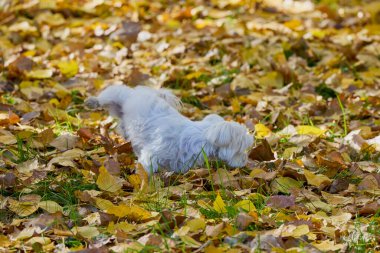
[(163, 138)]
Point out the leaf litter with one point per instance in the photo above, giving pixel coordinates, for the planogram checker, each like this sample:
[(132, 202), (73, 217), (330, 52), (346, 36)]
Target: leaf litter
[(302, 75)]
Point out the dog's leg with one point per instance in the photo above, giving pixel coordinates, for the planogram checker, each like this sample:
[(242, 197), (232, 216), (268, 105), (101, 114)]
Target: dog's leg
[(150, 164)]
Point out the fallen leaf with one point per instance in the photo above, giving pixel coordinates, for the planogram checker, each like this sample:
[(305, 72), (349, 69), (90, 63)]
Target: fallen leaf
[(328, 245), (107, 182), (262, 152), (86, 231), (219, 204), (318, 180), (50, 206), (285, 184), (312, 130), (294, 231), (261, 131), (40, 74), (281, 201), (22, 208), (246, 205), (68, 68)]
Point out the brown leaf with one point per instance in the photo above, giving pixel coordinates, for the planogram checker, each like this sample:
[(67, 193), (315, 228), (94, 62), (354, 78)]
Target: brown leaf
[(137, 78), (262, 152), (46, 136), (243, 220), (214, 231), (150, 239), (7, 180), (281, 201), (333, 161), (113, 166), (102, 249), (266, 243), (85, 133), (224, 178), (339, 185), (21, 65), (368, 183), (124, 148), (370, 208)]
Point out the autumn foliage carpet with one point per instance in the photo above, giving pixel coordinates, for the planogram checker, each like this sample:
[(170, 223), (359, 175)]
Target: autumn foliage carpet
[(304, 75)]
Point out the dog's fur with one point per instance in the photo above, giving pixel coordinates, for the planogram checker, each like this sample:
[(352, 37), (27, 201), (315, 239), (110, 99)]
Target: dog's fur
[(163, 138)]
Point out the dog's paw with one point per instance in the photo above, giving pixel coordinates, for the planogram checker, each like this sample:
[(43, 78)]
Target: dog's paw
[(92, 103)]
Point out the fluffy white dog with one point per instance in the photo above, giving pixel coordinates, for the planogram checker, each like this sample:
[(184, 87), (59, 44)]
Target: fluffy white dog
[(163, 138)]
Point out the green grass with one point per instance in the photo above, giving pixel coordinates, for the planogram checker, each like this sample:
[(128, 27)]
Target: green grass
[(62, 190), (364, 241), (21, 153)]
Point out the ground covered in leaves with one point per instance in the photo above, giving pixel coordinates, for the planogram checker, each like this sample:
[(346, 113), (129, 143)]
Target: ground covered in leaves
[(304, 75)]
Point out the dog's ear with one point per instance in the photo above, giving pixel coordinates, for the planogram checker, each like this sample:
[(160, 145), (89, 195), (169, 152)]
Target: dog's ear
[(220, 134), (224, 133)]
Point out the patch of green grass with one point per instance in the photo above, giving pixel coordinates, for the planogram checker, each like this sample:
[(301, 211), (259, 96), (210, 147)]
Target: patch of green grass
[(347, 174), (193, 100), (8, 99), (76, 97), (360, 241), (72, 242), (325, 91), (22, 153), (62, 190)]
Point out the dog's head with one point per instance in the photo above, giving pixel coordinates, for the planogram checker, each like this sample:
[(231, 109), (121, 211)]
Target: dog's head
[(232, 142)]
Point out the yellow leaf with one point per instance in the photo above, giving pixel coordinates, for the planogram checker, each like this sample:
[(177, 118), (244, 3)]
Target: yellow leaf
[(293, 24), (318, 33), (261, 131), (27, 84), (212, 249), (22, 208), (103, 204), (123, 226), (40, 74), (107, 182), (196, 224), (271, 79), (27, 233), (50, 206), (219, 204), (68, 68), (189, 241), (4, 241), (312, 130), (62, 115), (245, 204), (194, 75), (135, 181), (327, 245), (235, 104), (316, 180), (295, 231), (86, 231), (202, 23), (285, 184), (41, 240), (133, 212)]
